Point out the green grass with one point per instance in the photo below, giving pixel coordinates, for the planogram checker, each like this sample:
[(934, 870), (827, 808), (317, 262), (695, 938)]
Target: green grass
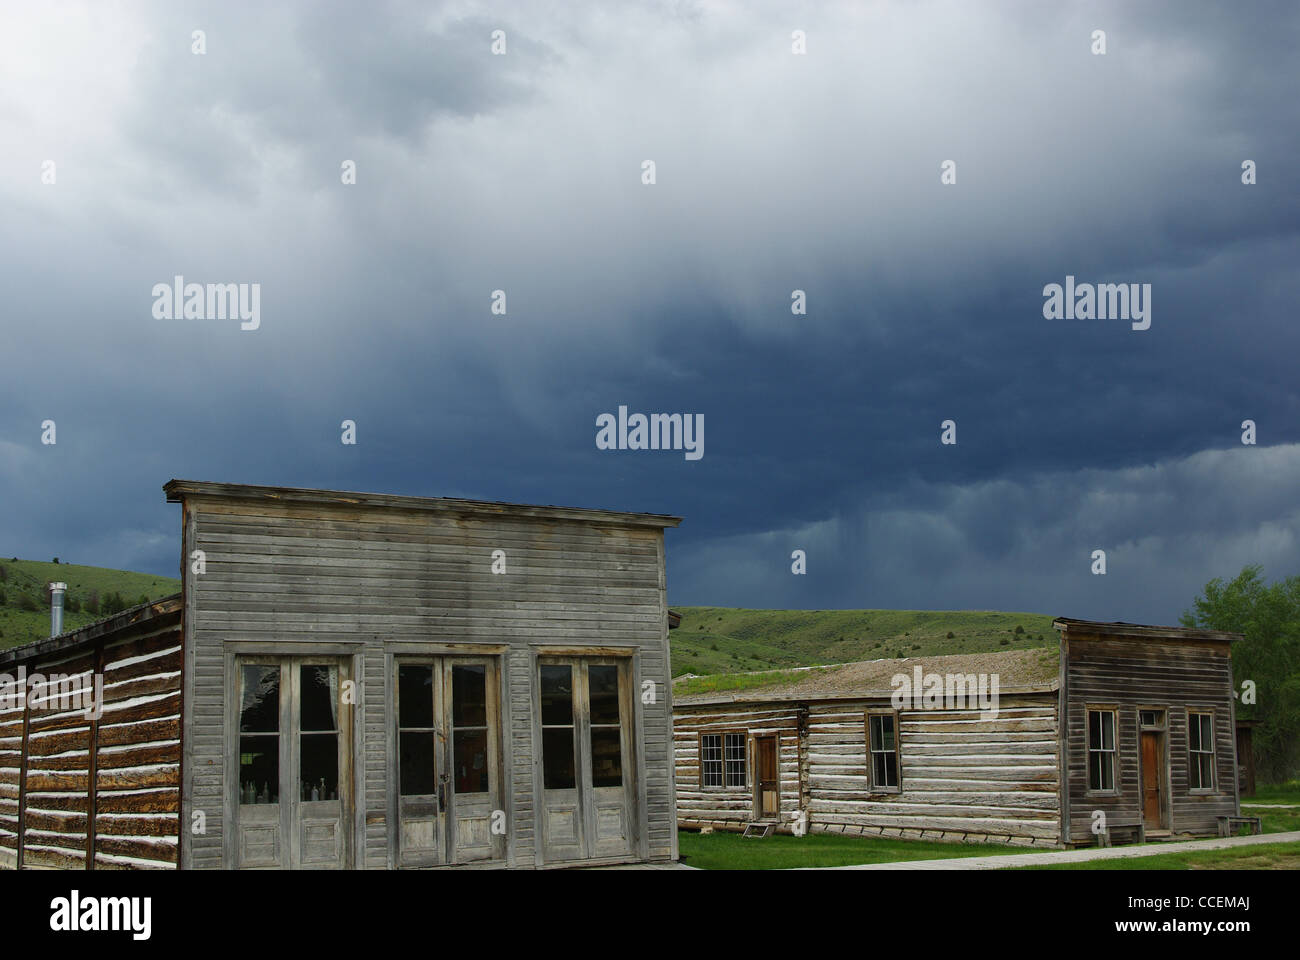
[(1288, 792), (758, 640), (731, 851), (1267, 856), (28, 578), (1275, 821)]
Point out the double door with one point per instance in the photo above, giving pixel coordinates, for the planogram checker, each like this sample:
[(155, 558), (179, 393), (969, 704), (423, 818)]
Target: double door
[(587, 759), (293, 803), (449, 807)]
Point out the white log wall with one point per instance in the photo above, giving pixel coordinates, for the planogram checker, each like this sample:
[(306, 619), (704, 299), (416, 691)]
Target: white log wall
[(963, 778)]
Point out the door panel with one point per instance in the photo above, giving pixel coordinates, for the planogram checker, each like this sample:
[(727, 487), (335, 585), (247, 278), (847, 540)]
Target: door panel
[(767, 781), (563, 836), (587, 784), (1152, 761), (293, 757), (448, 761)]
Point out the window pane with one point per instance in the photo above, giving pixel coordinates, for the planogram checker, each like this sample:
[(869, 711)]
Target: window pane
[(1194, 732), (1207, 770), (319, 767), (711, 760), (735, 759), (319, 696), (557, 757), (557, 695), (887, 733), (1094, 730), (606, 757), (602, 679), (470, 753), (259, 769), (1207, 732), (260, 700), (1108, 730), (1107, 770), (415, 764), (415, 696), (469, 695), (891, 770)]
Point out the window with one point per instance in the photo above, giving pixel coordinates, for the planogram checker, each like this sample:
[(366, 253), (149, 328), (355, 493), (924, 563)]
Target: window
[(469, 728), (882, 740), (722, 760), (559, 769), (606, 726), (416, 731), (1101, 749), (1200, 744), (259, 734)]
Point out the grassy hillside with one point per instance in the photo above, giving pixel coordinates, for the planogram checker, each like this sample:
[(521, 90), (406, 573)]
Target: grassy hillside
[(726, 640), (93, 594)]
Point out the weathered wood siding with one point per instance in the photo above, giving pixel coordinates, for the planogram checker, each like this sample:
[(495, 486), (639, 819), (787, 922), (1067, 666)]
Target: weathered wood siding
[(730, 808), (70, 781), (962, 777), (1144, 673), (303, 574)]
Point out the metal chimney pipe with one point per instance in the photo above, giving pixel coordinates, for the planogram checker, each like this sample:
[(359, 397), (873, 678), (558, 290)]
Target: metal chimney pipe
[(56, 608)]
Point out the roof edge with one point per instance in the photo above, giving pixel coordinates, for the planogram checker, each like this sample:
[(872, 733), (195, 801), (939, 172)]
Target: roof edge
[(1118, 628), (687, 700), (178, 490)]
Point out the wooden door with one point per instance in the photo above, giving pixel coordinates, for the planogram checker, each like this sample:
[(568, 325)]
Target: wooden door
[(1152, 763), (587, 761), (293, 805), (448, 760), (767, 781)]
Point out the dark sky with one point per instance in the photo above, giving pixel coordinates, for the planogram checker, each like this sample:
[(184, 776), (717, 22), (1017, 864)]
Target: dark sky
[(775, 172)]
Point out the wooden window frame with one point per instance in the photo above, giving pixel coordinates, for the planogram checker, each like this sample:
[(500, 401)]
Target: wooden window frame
[(1088, 751), (744, 741), (1193, 755), (873, 787)]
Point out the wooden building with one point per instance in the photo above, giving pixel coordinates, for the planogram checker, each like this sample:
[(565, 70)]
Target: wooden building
[(1135, 722), (370, 681), (87, 777)]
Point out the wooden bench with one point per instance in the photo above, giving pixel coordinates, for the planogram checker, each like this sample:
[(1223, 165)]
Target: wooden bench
[(1228, 825), (1136, 825)]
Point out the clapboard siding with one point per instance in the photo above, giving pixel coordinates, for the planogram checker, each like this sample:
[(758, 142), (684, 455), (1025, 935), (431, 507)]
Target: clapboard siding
[(292, 572), (1145, 673), (65, 768), (730, 808), (963, 777)]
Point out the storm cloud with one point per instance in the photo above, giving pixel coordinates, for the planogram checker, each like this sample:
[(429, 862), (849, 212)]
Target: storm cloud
[(774, 172)]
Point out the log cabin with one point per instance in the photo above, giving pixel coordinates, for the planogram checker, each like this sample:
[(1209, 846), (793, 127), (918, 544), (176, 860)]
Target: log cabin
[(361, 681), (1120, 731)]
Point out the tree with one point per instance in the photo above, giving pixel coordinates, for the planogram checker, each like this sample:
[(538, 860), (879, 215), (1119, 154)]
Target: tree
[(1268, 615), (92, 603)]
